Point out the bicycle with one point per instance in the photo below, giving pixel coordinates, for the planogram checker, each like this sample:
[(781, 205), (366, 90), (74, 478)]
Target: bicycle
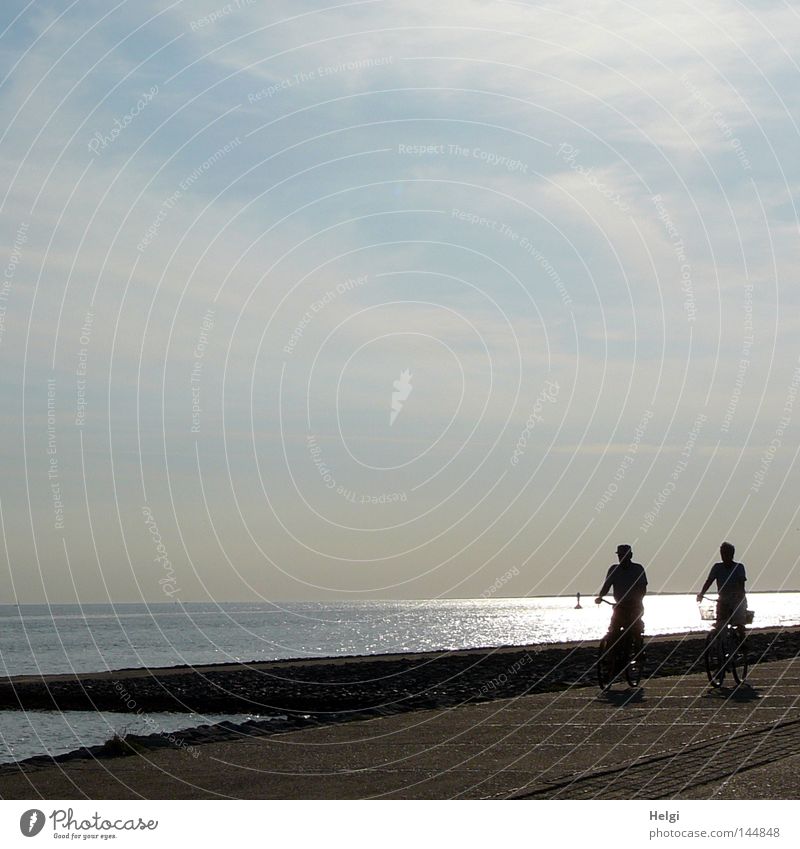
[(618, 654), (725, 650)]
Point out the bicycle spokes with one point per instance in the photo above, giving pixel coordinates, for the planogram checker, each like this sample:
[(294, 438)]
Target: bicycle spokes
[(725, 652), (620, 654)]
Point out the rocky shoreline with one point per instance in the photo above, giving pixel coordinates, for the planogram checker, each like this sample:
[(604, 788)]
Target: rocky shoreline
[(304, 693)]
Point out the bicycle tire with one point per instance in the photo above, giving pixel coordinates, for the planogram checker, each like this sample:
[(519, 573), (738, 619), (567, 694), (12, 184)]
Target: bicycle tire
[(605, 673), (715, 658), (739, 661), (635, 665)]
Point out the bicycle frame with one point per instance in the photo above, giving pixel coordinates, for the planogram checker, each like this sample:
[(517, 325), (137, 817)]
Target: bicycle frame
[(725, 652), (620, 652)]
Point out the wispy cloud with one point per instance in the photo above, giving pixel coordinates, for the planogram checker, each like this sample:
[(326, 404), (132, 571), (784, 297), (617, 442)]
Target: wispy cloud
[(602, 195)]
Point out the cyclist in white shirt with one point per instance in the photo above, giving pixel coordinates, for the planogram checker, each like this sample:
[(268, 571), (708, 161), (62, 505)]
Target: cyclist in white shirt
[(731, 599)]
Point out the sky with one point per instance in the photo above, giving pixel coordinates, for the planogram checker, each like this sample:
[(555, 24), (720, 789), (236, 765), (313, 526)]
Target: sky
[(307, 300)]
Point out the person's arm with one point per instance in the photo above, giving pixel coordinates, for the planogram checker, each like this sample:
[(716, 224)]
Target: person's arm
[(708, 582), (739, 586), (606, 585)]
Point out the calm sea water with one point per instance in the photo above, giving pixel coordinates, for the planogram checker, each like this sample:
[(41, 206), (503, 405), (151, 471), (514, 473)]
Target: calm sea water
[(60, 638)]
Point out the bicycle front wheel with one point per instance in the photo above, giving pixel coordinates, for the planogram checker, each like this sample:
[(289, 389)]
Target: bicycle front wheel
[(738, 662), (635, 666), (605, 664), (715, 658)]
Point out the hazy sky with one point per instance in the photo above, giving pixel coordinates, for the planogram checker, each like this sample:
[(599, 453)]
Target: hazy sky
[(396, 299)]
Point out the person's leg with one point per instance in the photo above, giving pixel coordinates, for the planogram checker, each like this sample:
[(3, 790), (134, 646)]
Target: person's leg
[(724, 614), (615, 627), (628, 623), (636, 628), (739, 620), (639, 628), (639, 623)]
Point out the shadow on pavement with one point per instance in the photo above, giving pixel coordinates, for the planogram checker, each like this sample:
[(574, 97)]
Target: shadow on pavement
[(739, 693), (621, 698)]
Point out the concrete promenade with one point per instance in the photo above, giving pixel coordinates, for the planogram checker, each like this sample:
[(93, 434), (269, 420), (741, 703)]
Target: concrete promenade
[(674, 738)]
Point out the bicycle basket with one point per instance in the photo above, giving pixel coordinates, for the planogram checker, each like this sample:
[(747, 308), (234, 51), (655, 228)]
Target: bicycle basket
[(708, 612), (751, 614)]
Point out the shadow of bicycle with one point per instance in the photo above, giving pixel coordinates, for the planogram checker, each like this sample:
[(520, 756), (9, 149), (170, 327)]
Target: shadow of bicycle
[(739, 693), (622, 698)]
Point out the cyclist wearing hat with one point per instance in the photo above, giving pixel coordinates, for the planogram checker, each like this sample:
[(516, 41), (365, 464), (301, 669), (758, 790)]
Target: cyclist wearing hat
[(629, 584)]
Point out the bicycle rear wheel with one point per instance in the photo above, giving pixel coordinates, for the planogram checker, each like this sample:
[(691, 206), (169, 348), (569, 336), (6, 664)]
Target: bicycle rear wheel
[(605, 664), (715, 658)]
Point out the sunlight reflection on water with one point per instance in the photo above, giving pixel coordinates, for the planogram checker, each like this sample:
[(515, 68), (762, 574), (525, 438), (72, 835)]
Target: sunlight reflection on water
[(101, 637)]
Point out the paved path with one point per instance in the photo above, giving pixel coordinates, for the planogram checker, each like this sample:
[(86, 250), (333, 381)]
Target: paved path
[(674, 738)]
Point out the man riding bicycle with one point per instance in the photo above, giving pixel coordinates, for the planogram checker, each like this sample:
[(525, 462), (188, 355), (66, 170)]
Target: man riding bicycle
[(731, 600), (629, 583)]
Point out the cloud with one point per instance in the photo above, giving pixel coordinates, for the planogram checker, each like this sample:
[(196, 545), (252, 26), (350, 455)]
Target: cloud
[(527, 244)]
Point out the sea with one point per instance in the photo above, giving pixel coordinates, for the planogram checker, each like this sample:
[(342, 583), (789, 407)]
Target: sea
[(42, 639)]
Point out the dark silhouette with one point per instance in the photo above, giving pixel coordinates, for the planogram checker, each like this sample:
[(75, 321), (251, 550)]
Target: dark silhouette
[(578, 605), (623, 698), (629, 584), (731, 599)]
